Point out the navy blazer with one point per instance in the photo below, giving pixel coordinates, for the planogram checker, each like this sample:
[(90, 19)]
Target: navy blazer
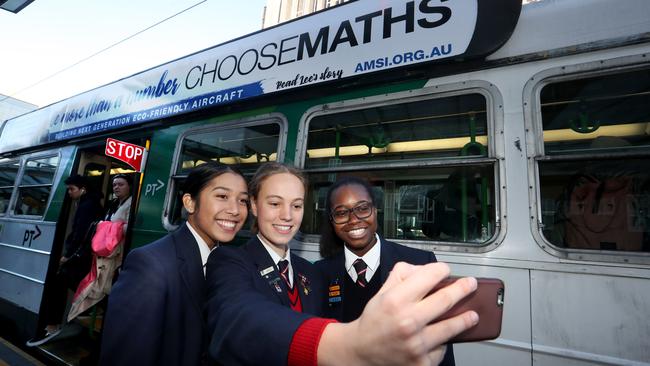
[(250, 321), (333, 271), (155, 309)]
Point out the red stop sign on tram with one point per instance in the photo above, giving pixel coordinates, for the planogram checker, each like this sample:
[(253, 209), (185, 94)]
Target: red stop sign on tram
[(128, 153)]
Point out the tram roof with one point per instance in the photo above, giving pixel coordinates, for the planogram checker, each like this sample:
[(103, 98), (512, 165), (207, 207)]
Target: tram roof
[(346, 41)]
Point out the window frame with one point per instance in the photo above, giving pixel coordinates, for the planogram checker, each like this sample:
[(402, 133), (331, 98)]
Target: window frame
[(258, 120), (19, 177), (536, 153), (495, 151), (12, 197)]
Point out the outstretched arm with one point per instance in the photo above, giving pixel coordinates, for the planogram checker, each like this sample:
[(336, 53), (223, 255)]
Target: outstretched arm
[(247, 327), (396, 326)]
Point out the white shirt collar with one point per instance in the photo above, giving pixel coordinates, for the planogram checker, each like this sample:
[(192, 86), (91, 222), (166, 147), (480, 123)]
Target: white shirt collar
[(371, 258), (276, 258), (204, 249)]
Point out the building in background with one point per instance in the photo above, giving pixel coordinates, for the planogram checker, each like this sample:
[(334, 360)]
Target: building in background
[(11, 107), (279, 11), (14, 6)]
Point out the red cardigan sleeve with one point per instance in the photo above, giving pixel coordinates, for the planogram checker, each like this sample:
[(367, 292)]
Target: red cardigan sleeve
[(303, 350)]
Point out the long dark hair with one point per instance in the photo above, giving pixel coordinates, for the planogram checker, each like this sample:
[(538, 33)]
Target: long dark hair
[(330, 244), (265, 171), (201, 175)]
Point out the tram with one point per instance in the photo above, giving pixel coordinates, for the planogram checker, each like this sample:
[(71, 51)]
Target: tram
[(513, 141)]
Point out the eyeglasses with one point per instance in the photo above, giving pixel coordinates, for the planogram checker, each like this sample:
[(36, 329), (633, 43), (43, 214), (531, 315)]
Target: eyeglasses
[(361, 211)]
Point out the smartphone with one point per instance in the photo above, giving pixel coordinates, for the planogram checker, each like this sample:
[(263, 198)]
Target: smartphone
[(487, 301)]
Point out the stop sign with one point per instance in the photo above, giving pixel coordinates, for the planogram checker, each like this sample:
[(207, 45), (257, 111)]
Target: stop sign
[(128, 153)]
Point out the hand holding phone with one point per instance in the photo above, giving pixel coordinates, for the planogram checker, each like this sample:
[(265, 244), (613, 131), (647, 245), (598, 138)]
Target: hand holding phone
[(487, 301)]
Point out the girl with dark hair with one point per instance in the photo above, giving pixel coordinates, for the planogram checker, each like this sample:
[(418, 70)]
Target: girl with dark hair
[(357, 260), (155, 310), (330, 243), (120, 207), (255, 320)]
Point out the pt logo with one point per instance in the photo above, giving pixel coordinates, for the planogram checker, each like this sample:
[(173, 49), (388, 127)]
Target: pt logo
[(151, 189), (31, 235)]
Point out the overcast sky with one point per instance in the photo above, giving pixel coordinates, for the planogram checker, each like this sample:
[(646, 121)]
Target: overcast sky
[(51, 35)]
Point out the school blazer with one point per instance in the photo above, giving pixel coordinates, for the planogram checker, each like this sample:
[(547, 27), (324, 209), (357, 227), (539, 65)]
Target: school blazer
[(155, 309), (333, 272), (250, 321)]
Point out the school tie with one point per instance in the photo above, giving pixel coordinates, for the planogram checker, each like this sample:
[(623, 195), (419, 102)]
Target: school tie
[(360, 266), (283, 265), (292, 293)]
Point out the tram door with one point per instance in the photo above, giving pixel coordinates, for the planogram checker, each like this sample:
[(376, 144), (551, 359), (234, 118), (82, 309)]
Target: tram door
[(78, 341), (99, 170)]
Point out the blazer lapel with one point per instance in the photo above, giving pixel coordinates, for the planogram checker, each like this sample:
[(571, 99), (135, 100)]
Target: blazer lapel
[(267, 270), (306, 283), (387, 259), (190, 267), (301, 278)]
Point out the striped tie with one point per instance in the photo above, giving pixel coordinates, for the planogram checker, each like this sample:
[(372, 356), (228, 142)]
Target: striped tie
[(283, 265), (360, 266)]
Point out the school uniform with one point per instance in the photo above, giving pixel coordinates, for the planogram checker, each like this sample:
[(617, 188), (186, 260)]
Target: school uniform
[(155, 310), (250, 314), (346, 299)]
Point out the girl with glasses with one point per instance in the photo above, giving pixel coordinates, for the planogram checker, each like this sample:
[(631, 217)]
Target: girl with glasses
[(357, 260)]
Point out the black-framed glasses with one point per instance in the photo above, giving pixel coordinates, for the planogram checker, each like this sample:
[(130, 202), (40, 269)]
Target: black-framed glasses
[(341, 215)]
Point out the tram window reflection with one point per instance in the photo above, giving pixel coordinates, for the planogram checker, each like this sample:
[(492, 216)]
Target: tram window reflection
[(8, 174), (421, 204), (596, 204), (35, 186), (246, 147), (594, 178), (433, 128), (392, 146), (601, 114)]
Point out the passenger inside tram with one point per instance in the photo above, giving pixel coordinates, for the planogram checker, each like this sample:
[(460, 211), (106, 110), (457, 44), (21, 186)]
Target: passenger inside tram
[(604, 205), (459, 211), (75, 260)]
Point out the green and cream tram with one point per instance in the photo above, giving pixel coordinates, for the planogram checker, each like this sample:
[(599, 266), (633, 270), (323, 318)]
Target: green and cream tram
[(513, 141)]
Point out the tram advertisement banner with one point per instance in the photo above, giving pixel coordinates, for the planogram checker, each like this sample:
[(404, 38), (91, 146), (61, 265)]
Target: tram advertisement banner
[(349, 40)]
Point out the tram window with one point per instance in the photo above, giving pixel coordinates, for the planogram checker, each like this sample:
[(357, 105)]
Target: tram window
[(8, 173), (434, 128), (246, 147), (420, 204), (602, 113), (452, 201), (35, 186), (595, 178)]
